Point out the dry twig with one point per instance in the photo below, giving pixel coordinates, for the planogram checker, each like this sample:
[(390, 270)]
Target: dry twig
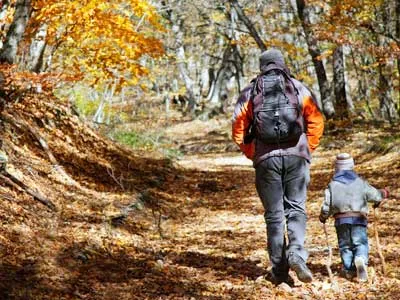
[(378, 245), (334, 283)]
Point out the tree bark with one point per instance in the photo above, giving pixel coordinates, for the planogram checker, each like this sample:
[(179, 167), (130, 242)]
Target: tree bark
[(341, 105), (36, 50), (323, 83), (386, 104), (17, 29)]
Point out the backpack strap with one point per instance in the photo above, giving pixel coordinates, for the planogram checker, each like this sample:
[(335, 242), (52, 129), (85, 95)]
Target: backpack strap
[(250, 136)]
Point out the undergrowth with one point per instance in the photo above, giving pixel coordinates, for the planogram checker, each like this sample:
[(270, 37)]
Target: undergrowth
[(147, 141)]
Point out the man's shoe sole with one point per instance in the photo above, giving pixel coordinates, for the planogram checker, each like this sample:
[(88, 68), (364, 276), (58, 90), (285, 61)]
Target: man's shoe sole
[(301, 274), (297, 264)]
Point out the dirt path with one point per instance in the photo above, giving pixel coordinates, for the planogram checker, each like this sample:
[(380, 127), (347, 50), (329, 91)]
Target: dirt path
[(216, 248)]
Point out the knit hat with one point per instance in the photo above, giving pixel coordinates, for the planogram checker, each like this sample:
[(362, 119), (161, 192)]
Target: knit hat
[(270, 56), (344, 161)]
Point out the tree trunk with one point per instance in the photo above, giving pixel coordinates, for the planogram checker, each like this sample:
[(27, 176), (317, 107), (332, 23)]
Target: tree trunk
[(386, 104), (224, 74), (364, 82), (3, 14), (231, 67), (17, 29), (324, 88), (3, 22), (181, 63), (237, 59), (36, 50), (341, 105), (386, 69), (3, 9), (108, 95), (286, 15), (177, 28), (249, 25)]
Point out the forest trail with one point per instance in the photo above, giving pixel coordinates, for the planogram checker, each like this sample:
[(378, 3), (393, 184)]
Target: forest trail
[(131, 225), (171, 212), (221, 241)]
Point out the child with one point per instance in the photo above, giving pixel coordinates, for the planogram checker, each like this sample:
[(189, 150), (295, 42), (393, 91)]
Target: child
[(346, 200)]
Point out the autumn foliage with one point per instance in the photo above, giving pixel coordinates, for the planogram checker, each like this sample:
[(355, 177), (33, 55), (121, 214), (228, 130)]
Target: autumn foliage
[(135, 224), (101, 39)]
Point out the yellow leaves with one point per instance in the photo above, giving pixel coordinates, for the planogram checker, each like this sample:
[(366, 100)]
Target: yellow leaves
[(325, 54), (217, 17), (100, 38), (369, 67)]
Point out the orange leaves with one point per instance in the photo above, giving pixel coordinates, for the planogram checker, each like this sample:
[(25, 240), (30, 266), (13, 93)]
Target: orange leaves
[(22, 82), (351, 22), (102, 39)]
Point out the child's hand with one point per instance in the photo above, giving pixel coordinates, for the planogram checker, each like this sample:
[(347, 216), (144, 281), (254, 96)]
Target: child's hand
[(385, 192)]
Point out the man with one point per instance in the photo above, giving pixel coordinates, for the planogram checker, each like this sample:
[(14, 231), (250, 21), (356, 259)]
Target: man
[(282, 168)]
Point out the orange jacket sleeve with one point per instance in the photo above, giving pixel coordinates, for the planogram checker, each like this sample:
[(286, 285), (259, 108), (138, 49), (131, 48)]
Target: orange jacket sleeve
[(314, 122), (241, 122)]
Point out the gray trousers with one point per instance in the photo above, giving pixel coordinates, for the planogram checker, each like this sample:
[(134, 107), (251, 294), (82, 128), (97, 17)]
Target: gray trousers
[(281, 183)]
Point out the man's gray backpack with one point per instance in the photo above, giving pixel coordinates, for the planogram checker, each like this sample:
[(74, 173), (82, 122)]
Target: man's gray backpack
[(277, 116)]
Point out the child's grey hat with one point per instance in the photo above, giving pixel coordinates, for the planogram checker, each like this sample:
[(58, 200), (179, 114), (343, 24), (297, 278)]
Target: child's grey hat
[(344, 161)]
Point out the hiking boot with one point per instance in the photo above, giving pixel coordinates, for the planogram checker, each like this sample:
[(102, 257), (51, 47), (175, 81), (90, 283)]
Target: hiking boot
[(277, 280), (362, 273), (297, 264)]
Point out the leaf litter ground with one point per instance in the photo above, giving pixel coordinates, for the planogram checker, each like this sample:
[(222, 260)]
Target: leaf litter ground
[(131, 225)]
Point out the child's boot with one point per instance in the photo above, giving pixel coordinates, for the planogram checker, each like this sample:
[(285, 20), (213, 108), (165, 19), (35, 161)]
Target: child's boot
[(361, 267)]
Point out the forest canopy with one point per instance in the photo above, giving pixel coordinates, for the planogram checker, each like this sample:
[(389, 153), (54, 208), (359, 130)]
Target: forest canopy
[(200, 55)]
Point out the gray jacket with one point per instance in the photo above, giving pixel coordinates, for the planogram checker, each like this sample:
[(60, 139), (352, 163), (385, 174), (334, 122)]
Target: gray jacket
[(347, 197)]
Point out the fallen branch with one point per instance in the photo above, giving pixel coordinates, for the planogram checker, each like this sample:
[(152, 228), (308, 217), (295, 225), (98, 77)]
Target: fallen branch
[(19, 185), (19, 121)]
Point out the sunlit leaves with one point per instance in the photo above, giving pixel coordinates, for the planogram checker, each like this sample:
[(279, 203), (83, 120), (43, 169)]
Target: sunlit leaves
[(353, 22), (103, 39)]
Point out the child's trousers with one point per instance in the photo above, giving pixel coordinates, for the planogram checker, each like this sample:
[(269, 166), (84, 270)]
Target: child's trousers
[(353, 242)]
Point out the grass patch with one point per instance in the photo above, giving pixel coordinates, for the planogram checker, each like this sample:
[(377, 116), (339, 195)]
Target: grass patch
[(135, 140), (384, 144), (149, 142)]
